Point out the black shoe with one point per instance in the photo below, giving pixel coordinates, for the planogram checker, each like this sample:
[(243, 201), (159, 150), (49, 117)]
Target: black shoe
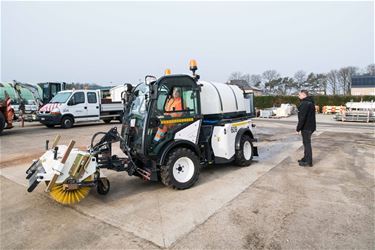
[(305, 164), (302, 160)]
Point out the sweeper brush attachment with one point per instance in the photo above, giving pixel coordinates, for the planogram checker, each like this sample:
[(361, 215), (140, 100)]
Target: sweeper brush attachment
[(62, 194), (68, 172)]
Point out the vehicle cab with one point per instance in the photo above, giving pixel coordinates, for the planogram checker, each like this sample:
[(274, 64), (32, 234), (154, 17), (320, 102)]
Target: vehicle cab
[(149, 110)]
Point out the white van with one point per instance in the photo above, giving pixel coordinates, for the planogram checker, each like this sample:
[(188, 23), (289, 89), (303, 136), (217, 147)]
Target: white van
[(73, 106)]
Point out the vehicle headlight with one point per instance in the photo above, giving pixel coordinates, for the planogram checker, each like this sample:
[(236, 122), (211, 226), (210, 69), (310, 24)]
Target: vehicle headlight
[(55, 111)]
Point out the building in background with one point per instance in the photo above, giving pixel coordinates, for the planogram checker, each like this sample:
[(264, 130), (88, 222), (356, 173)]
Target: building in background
[(363, 85)]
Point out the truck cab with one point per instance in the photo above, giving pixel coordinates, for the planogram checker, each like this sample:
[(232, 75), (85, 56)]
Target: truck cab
[(50, 89), (75, 106)]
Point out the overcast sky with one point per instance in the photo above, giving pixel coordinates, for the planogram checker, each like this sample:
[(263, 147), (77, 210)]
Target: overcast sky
[(119, 42)]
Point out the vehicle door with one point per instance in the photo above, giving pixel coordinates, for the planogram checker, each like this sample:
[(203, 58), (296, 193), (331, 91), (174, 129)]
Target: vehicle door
[(93, 110), (77, 106), (176, 107)]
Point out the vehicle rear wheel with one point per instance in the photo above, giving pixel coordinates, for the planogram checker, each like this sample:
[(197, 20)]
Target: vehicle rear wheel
[(107, 120), (244, 155), (2, 122), (67, 122), (181, 170)]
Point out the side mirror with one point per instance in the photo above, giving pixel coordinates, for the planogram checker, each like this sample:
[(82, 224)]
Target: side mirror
[(150, 79)]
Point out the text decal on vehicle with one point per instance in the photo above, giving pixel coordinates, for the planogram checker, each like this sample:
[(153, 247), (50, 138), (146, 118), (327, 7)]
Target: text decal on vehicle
[(233, 129)]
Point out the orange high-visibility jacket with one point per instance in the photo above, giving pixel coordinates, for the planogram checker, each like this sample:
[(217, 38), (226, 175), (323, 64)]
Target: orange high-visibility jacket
[(173, 104)]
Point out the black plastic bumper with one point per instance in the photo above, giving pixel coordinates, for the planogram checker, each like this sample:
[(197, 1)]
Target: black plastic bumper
[(50, 119)]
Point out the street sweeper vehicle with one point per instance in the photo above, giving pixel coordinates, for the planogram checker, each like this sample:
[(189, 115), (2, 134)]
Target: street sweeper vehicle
[(172, 127)]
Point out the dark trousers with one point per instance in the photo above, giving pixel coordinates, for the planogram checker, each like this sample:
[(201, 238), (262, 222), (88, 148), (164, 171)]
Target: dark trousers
[(306, 139)]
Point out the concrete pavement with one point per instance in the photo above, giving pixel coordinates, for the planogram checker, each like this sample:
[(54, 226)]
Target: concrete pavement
[(271, 204)]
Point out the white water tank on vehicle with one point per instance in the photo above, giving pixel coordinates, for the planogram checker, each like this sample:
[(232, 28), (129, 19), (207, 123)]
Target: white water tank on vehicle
[(221, 98)]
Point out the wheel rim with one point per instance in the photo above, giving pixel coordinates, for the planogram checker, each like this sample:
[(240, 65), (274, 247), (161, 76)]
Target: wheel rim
[(67, 123), (104, 184), (183, 169), (247, 150)]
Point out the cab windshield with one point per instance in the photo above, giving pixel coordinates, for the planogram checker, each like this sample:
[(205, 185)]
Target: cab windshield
[(61, 97), (138, 107), (137, 114)]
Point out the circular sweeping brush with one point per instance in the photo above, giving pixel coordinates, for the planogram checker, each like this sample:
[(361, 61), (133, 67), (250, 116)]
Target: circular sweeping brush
[(67, 197)]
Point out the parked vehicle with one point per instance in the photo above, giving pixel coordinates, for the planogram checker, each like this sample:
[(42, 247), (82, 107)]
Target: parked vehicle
[(27, 99), (6, 113), (203, 123), (73, 106)]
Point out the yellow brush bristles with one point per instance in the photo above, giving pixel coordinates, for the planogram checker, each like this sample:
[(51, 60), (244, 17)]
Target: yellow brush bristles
[(68, 197)]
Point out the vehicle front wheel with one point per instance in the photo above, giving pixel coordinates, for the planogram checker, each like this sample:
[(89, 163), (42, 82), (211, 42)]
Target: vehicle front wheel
[(67, 122), (181, 170), (103, 186), (244, 154)]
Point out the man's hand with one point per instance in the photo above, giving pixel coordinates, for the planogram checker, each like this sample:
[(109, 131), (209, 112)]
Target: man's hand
[(297, 132)]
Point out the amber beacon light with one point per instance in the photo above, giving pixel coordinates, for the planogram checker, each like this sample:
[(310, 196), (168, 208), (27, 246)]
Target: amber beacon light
[(167, 72), (193, 65)]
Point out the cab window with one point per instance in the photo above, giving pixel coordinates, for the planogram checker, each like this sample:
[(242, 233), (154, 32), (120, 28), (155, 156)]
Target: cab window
[(177, 100), (163, 95), (91, 97), (54, 90), (77, 98), (189, 98)]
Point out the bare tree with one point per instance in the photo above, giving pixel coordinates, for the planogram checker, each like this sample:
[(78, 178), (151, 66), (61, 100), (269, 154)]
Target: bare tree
[(300, 77), (316, 84), (345, 78), (370, 69), (236, 76), (256, 80), (246, 77), (332, 81), (269, 77)]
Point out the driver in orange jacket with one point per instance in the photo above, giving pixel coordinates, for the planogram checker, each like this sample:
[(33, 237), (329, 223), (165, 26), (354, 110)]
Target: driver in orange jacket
[(173, 104)]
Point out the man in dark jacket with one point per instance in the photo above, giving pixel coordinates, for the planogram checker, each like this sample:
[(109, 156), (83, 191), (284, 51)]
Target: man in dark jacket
[(306, 125)]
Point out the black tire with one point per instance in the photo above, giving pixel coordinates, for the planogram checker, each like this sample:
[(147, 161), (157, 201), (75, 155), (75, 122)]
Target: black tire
[(50, 126), (67, 122), (2, 122), (103, 186), (242, 159), (107, 121), (167, 173)]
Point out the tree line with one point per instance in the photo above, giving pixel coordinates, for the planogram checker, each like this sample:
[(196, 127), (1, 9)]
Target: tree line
[(335, 82), (76, 85)]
